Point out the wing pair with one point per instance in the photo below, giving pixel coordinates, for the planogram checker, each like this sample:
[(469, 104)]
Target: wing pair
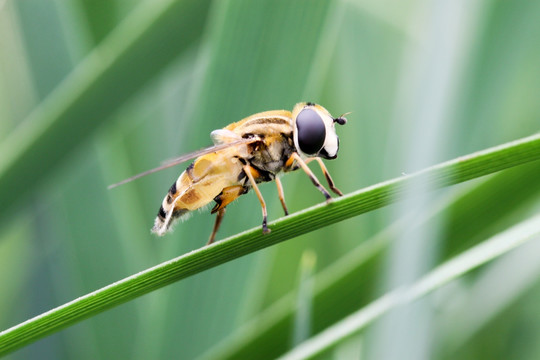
[(222, 138)]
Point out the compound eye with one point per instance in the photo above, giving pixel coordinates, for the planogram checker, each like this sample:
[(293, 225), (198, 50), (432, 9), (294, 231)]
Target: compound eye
[(311, 131)]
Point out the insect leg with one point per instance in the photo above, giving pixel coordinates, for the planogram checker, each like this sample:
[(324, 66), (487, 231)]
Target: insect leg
[(249, 172), (308, 171), (326, 175), (219, 217), (228, 195), (281, 195)]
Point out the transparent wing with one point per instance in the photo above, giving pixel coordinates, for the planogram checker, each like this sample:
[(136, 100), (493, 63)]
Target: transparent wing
[(189, 156)]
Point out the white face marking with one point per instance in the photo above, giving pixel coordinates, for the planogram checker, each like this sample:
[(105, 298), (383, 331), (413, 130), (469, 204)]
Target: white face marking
[(331, 144)]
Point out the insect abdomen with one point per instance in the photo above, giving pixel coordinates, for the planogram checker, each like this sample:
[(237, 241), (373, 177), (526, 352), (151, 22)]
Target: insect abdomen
[(173, 206), (196, 187)]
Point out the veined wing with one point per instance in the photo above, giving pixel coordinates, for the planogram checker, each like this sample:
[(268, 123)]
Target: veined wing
[(189, 156)]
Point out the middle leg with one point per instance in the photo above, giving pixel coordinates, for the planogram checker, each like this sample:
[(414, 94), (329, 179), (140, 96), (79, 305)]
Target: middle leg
[(281, 195), (249, 172)]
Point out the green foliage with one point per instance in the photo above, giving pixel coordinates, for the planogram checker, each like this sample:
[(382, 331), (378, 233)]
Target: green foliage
[(91, 93)]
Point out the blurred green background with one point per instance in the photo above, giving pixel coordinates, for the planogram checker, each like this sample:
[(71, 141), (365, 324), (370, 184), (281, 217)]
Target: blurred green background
[(115, 87)]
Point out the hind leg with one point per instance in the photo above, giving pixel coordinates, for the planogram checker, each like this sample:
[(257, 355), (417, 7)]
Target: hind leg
[(219, 217), (228, 195)]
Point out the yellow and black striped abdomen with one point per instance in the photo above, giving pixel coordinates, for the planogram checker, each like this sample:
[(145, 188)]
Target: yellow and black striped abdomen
[(197, 186)]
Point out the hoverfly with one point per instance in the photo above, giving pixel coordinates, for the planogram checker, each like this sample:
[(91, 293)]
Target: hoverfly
[(248, 152)]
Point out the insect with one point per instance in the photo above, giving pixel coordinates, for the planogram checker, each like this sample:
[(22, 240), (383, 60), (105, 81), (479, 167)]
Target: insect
[(248, 152)]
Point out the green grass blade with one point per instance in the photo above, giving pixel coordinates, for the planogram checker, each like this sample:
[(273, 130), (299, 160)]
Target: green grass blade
[(113, 71), (448, 173)]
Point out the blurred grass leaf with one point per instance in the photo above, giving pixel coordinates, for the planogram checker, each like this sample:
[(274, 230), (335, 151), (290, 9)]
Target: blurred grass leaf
[(467, 261), (107, 77)]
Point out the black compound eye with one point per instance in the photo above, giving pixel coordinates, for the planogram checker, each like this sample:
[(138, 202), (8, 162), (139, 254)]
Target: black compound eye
[(311, 131)]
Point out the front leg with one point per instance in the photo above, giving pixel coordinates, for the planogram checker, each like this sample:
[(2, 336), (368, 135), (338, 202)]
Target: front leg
[(326, 175), (307, 170)]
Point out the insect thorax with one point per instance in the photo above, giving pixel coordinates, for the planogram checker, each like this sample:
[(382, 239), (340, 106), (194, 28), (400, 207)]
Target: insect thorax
[(270, 155)]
